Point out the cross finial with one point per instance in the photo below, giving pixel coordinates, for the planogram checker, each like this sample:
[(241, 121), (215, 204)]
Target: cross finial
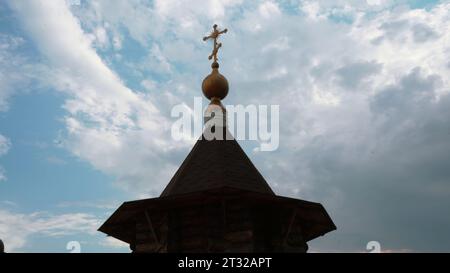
[(215, 35)]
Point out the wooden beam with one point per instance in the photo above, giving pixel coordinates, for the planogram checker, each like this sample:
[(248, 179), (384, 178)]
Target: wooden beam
[(149, 222), (291, 222)]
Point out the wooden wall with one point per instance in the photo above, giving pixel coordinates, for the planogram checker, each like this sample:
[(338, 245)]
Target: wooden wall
[(221, 226)]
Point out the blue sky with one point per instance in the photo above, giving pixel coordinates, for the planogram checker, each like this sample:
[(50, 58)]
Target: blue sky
[(86, 92)]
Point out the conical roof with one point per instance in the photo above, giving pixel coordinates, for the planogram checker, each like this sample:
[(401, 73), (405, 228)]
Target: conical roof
[(213, 164)]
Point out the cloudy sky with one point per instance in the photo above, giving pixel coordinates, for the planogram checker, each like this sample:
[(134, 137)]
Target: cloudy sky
[(86, 90)]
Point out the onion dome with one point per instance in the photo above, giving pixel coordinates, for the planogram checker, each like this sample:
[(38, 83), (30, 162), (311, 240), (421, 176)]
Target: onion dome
[(215, 85)]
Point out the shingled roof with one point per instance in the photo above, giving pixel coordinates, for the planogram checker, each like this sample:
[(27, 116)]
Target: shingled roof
[(213, 164)]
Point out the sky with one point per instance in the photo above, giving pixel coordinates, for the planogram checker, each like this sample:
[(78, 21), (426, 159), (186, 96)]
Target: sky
[(86, 90)]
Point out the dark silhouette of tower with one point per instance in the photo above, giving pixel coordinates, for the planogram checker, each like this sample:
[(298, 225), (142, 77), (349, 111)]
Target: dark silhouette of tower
[(218, 201)]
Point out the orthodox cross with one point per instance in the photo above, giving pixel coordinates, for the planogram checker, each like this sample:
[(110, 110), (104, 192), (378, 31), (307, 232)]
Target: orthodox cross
[(215, 35)]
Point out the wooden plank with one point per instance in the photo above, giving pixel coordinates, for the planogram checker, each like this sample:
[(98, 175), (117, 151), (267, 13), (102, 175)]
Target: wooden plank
[(146, 248), (193, 243), (240, 248), (241, 225), (239, 236)]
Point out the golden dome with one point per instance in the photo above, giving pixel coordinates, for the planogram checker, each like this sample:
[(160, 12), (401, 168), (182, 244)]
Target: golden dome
[(215, 85)]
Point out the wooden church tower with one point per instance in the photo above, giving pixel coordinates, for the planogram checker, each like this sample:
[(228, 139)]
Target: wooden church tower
[(217, 201)]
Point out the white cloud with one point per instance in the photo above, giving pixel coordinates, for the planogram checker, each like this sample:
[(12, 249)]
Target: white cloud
[(5, 145), (114, 243), (2, 174), (101, 37), (16, 228), (312, 10), (269, 9), (105, 118), (56, 160), (91, 204), (15, 72), (160, 59), (215, 9), (117, 42)]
